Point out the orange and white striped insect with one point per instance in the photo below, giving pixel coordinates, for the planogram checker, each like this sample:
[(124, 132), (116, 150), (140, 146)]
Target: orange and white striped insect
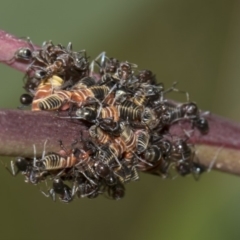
[(45, 89)]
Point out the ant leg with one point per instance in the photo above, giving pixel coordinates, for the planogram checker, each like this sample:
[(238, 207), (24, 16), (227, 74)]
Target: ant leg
[(61, 145), (116, 158), (74, 190), (12, 171), (214, 159), (45, 194), (142, 160), (102, 56), (59, 174), (174, 89), (52, 194), (69, 47), (29, 41), (34, 157), (89, 179), (44, 149)]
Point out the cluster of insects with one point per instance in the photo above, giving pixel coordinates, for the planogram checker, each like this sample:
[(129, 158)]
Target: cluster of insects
[(129, 118)]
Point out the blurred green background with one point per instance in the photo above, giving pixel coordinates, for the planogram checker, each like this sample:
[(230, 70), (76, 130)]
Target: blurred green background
[(196, 43)]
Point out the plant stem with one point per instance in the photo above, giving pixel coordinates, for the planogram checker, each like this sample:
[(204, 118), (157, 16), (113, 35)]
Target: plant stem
[(20, 129)]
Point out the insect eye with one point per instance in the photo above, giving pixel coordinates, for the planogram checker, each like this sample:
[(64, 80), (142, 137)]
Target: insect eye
[(28, 53), (21, 164), (40, 74)]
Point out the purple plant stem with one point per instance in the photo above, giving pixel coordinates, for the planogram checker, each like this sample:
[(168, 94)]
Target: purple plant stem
[(21, 129), (219, 149)]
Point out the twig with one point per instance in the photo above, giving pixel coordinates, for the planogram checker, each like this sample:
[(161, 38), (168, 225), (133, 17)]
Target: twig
[(21, 129)]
